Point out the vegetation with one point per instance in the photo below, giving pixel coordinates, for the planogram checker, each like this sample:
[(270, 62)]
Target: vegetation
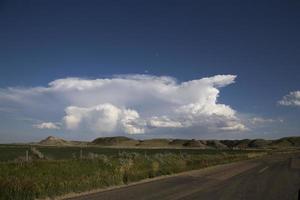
[(11, 152), (76, 169), (121, 141), (17, 152), (115, 141), (55, 166)]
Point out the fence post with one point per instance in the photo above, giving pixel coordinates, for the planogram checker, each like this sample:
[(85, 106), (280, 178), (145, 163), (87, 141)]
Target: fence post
[(80, 154), (27, 157)]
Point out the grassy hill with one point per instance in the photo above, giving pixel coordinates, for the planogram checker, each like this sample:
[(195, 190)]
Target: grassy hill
[(178, 142), (122, 141), (115, 141), (155, 143), (259, 143), (54, 141), (287, 142), (195, 143)]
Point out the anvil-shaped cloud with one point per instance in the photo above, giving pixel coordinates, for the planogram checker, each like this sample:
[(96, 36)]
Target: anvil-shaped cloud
[(129, 103)]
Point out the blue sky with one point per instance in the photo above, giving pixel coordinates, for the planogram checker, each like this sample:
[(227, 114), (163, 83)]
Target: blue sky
[(258, 41)]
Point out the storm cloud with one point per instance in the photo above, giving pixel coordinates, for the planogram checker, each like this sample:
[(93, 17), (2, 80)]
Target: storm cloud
[(129, 104)]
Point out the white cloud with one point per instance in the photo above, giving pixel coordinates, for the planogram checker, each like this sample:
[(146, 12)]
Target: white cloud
[(234, 126), (291, 99), (130, 103), (261, 120), (102, 118), (163, 122), (47, 125), (131, 123)]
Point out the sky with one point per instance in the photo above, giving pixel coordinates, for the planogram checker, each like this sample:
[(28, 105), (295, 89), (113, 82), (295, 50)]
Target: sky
[(148, 69)]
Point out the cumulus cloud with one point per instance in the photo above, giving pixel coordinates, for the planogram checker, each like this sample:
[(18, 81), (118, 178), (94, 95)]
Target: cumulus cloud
[(47, 125), (130, 103), (163, 122), (291, 99), (234, 126), (102, 118)]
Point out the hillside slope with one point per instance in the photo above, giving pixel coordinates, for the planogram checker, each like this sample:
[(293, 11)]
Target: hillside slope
[(122, 141)]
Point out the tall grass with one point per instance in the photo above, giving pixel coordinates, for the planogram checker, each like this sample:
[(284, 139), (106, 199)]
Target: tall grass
[(49, 178)]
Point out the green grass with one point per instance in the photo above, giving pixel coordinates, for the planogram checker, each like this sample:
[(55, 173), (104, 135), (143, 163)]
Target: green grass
[(63, 172), (12, 152), (71, 152)]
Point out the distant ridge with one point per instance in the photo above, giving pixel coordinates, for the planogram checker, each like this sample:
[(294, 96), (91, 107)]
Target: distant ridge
[(115, 141), (51, 140), (156, 142), (195, 143), (122, 141), (56, 141)]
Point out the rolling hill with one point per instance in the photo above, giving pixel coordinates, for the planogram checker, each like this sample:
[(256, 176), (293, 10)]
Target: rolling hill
[(115, 141), (122, 141)]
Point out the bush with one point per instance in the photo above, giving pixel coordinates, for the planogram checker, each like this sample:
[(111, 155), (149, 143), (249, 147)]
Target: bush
[(17, 189)]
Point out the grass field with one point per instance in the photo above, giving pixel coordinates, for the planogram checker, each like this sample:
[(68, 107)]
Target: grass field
[(66, 169), (12, 152)]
